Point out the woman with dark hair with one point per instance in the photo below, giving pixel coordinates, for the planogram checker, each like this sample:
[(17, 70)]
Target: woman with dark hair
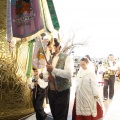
[(87, 104)]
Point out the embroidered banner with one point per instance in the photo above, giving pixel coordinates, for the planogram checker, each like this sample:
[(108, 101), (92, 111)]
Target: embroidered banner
[(26, 17), (38, 56)]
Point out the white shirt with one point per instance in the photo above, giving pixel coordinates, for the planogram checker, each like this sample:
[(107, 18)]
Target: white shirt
[(112, 67), (41, 83), (67, 72)]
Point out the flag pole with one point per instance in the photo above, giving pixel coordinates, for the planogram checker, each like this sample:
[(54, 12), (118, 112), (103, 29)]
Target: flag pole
[(42, 35)]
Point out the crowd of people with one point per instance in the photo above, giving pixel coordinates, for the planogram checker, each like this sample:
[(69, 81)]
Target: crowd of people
[(55, 83)]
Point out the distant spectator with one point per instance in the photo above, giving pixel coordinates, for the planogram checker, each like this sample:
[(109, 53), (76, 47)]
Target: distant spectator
[(110, 68), (100, 73)]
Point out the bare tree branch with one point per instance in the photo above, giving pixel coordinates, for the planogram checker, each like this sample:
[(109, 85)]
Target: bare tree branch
[(71, 43), (72, 46)]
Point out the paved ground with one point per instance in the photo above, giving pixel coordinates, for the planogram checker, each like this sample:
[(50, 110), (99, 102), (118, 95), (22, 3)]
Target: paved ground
[(107, 103)]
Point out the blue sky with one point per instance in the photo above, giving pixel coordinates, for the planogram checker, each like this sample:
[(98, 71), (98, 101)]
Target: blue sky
[(97, 20)]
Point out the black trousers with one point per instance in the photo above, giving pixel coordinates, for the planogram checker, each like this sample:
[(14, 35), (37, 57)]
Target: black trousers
[(59, 104), (109, 84), (38, 106)]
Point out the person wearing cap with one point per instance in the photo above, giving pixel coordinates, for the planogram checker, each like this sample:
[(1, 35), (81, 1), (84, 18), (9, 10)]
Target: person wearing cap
[(59, 73)]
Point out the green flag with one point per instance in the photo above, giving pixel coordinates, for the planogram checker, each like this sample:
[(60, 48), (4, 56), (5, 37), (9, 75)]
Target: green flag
[(53, 15), (30, 50)]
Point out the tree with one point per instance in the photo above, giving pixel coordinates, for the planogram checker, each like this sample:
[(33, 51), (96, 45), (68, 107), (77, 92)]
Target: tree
[(71, 43)]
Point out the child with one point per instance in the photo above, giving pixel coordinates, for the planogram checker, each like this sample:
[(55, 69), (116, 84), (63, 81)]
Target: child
[(38, 87), (87, 105)]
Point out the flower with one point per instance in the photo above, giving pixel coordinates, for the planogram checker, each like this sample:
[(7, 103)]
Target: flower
[(22, 7)]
